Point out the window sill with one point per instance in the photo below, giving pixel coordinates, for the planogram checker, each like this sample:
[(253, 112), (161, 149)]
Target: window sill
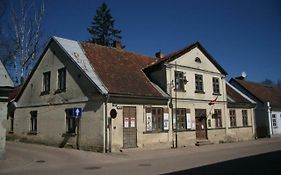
[(217, 94), (183, 130), (216, 128), (233, 127), (179, 90), (155, 132), (32, 133), (60, 91), (199, 92), (11, 132), (45, 93), (69, 134)]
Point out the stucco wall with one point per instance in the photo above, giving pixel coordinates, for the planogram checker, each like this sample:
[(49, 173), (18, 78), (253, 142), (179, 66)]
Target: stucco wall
[(145, 140), (3, 115), (51, 126)]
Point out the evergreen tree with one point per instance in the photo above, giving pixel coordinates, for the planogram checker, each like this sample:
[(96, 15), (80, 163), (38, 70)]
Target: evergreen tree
[(102, 28)]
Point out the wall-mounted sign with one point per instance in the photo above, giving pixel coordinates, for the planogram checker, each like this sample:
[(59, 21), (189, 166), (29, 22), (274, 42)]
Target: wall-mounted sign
[(166, 121), (148, 121), (77, 112)]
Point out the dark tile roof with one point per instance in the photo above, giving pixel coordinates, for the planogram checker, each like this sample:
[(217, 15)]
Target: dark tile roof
[(121, 71), (261, 92), (181, 52), (234, 95)]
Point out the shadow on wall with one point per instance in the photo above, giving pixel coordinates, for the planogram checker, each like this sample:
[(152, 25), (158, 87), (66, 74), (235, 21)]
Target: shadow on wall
[(268, 163)]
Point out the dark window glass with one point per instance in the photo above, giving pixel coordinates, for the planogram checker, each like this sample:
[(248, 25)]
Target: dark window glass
[(232, 116), (157, 119), (33, 121), (199, 83), (62, 79), (181, 119), (216, 86), (70, 121), (46, 82), (179, 81), (245, 117), (217, 115)]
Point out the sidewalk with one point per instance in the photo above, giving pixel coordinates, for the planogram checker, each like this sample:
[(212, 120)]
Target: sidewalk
[(38, 159)]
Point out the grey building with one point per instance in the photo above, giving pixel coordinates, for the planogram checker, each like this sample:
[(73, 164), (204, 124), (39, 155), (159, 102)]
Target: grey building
[(268, 106), (6, 85)]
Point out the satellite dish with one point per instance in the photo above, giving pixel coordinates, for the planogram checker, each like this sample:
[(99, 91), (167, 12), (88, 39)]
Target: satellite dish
[(243, 74)]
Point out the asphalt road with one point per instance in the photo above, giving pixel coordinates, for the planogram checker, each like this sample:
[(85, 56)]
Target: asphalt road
[(252, 157)]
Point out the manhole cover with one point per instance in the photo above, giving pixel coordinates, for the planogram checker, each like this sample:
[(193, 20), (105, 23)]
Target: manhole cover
[(40, 161), (92, 168), (145, 164)]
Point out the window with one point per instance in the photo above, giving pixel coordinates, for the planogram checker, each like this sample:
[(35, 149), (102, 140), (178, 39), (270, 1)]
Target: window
[(61, 79), (181, 119), (245, 117), (33, 122), (232, 116), (274, 122), (199, 83), (217, 116), (179, 79), (157, 119), (197, 60), (216, 85), (46, 82), (70, 121)]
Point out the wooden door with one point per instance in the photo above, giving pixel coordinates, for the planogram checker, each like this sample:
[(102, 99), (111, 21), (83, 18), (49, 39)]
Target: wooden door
[(201, 126), (129, 127)]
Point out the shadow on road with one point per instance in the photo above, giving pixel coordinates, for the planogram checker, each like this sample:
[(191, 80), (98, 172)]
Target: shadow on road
[(265, 164)]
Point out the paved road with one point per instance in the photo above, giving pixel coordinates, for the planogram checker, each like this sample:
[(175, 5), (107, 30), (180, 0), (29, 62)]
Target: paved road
[(251, 157)]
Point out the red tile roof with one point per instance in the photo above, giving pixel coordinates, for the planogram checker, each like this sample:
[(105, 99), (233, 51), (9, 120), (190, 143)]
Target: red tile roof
[(121, 71), (234, 95), (263, 93)]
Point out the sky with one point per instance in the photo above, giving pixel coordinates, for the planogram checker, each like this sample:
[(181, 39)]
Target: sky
[(242, 35)]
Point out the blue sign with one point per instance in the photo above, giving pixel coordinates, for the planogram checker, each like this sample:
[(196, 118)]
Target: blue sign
[(77, 112)]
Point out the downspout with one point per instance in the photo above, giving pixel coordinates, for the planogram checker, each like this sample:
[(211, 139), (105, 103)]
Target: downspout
[(105, 147), (269, 118)]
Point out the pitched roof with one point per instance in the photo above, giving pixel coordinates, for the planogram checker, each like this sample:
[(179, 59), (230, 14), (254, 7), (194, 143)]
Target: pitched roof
[(183, 51), (261, 92), (111, 70), (236, 97), (5, 80), (121, 71)]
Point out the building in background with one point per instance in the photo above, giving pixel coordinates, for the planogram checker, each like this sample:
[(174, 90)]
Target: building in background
[(241, 114), (268, 106), (6, 86)]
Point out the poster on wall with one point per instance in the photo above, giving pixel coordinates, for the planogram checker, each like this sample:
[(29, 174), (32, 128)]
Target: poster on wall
[(166, 121), (193, 124), (148, 121), (133, 122), (188, 121), (126, 122)]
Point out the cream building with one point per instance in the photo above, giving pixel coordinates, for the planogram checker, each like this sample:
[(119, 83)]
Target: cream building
[(91, 97)]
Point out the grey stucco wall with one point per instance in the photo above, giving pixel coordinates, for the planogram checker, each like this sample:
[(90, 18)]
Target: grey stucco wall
[(3, 113)]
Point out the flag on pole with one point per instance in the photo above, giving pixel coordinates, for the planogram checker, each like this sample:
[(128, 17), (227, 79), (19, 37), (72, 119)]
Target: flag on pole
[(212, 102)]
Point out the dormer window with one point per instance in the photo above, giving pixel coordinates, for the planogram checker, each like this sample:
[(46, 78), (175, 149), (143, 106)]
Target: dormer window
[(197, 60)]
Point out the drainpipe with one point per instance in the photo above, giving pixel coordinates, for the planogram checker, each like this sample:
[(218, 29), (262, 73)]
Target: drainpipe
[(105, 147), (269, 118)]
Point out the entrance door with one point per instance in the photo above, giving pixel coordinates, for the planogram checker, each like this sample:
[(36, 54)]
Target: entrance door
[(200, 119), (129, 127)]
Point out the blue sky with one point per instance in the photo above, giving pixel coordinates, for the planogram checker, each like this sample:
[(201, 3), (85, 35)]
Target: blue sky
[(242, 35)]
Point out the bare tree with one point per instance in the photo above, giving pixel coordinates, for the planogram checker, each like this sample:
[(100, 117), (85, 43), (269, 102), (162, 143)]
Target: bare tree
[(26, 22)]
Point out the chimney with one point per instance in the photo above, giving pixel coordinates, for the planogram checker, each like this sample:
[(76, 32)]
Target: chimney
[(159, 54), (117, 45)]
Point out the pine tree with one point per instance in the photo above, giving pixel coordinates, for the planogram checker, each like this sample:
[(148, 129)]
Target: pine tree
[(102, 28)]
